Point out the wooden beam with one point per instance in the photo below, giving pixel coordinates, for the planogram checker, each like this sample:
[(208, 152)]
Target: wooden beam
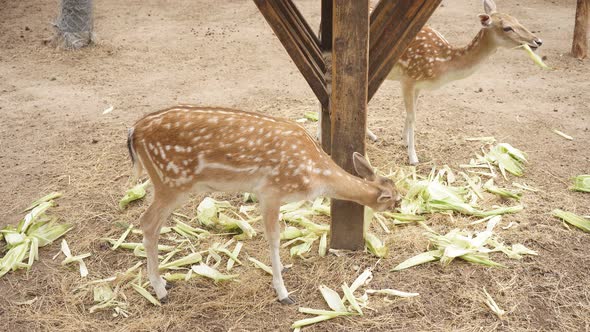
[(394, 24), (580, 43), (350, 61), (279, 20), (325, 37)]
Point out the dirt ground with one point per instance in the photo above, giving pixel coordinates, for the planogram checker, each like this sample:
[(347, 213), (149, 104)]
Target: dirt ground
[(152, 54)]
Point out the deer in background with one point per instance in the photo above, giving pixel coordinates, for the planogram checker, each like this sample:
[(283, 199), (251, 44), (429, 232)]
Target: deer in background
[(190, 149), (430, 61)]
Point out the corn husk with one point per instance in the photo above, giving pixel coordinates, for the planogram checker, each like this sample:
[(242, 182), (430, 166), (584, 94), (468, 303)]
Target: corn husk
[(562, 134), (581, 183), (309, 321), (391, 292), (362, 280), (46, 198), (312, 116), (507, 158), (208, 210), (235, 253), (260, 265), (192, 258), (122, 237), (502, 192), (323, 247), (211, 273), (524, 186), (375, 245), (489, 301), (332, 299), (70, 258), (351, 299), (573, 219), (233, 224), (133, 194), (422, 258), (534, 56), (143, 292)]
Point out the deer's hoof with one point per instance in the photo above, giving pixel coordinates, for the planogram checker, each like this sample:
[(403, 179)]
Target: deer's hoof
[(287, 300), (169, 286), (164, 300)]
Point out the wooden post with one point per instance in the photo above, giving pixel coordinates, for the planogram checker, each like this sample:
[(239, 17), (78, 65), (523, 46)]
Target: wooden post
[(325, 37), (580, 44), (350, 63)]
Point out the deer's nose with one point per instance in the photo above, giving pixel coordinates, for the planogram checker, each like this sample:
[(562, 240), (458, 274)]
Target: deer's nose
[(538, 41)]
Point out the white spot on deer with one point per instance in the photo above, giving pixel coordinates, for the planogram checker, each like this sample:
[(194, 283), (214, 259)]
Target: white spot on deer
[(167, 126), (251, 129), (208, 136), (327, 172), (213, 120), (179, 148), (196, 139), (202, 130), (173, 167)]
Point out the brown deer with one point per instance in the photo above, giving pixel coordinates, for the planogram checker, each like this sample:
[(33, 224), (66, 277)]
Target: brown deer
[(430, 61), (192, 149)]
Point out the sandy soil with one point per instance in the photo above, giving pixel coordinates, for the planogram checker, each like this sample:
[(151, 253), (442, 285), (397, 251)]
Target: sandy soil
[(152, 54)]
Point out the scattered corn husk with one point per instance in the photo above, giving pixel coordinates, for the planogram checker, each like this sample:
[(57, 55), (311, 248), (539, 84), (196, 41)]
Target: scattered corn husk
[(507, 158), (70, 258), (524, 186), (133, 194), (484, 139), (332, 299), (190, 259), (534, 56), (260, 265), (235, 253), (581, 183), (492, 304), (375, 245), (467, 246), (232, 224), (351, 299), (562, 134), (211, 273), (46, 198), (35, 230), (323, 247), (143, 292), (312, 116), (391, 292), (573, 219), (208, 210), (313, 320), (250, 198), (122, 237), (502, 192)]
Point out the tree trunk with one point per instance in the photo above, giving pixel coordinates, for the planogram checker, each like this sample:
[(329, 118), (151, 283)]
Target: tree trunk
[(580, 44), (75, 24)]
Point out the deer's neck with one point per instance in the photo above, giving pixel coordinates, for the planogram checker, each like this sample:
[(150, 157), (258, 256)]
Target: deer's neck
[(467, 59), (351, 188)]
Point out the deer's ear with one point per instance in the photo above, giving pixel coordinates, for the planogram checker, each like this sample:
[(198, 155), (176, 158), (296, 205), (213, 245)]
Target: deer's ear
[(362, 167), (489, 6), (486, 20)]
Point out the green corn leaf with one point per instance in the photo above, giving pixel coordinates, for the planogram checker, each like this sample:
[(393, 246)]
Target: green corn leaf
[(48, 232), (332, 299), (375, 245), (312, 116), (260, 265), (235, 253), (122, 237), (581, 183), (143, 292), (133, 194), (325, 312), (351, 299), (192, 258), (32, 216), (534, 56), (422, 258), (46, 198), (573, 219), (211, 273), (502, 192)]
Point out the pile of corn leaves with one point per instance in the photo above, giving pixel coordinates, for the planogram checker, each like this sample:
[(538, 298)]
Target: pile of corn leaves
[(37, 229)]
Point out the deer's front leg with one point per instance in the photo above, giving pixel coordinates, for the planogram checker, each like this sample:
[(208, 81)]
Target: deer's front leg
[(270, 213)]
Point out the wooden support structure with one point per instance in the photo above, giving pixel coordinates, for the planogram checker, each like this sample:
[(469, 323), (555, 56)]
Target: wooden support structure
[(344, 66), (350, 68), (580, 43)]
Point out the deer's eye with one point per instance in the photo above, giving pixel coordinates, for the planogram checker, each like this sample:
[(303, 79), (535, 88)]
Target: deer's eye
[(508, 29)]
